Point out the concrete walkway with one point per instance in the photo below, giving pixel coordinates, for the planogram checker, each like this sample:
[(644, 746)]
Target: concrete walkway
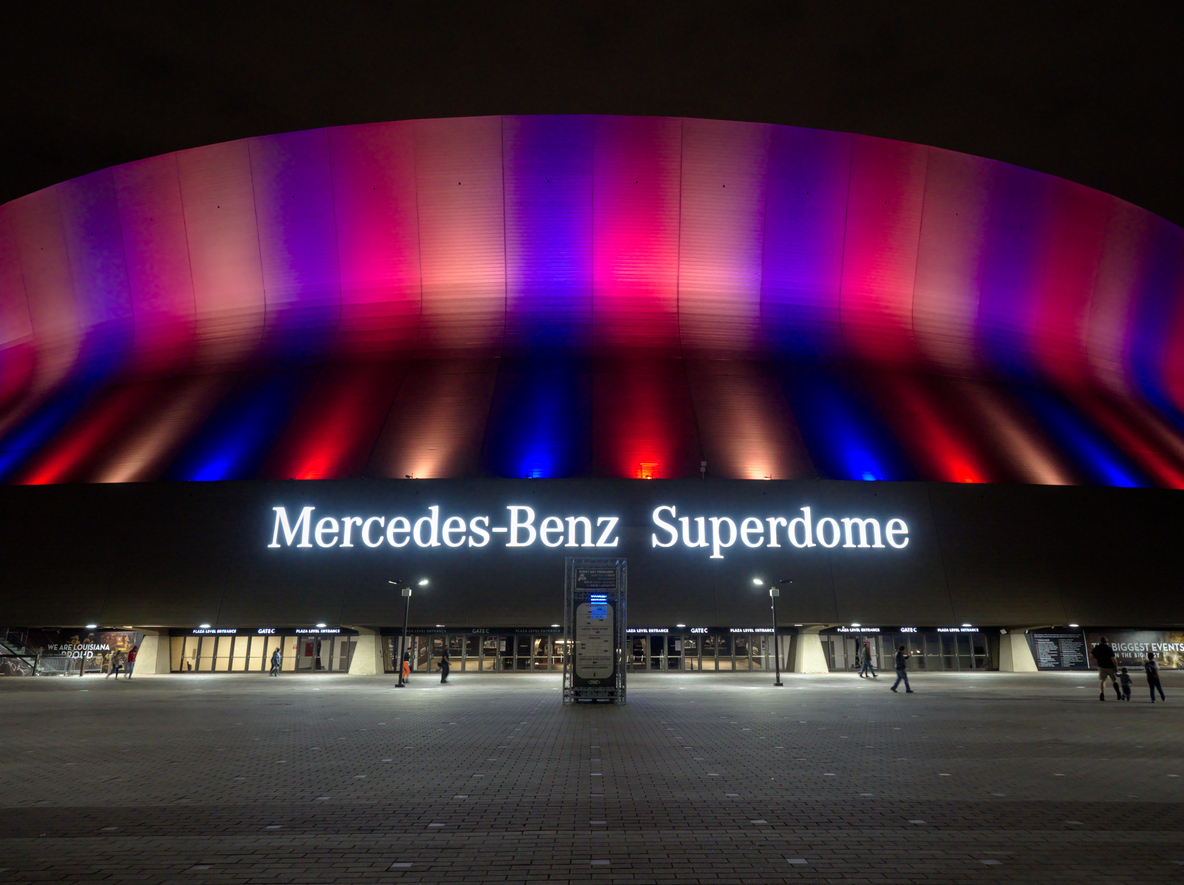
[(702, 778)]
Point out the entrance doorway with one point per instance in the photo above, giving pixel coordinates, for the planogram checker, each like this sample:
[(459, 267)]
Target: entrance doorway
[(527, 652), (711, 652), (927, 650), (251, 653)]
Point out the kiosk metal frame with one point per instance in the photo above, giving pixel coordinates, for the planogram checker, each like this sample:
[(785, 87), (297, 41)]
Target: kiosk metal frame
[(594, 590)]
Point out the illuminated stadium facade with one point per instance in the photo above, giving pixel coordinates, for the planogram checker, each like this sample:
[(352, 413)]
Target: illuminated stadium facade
[(939, 392)]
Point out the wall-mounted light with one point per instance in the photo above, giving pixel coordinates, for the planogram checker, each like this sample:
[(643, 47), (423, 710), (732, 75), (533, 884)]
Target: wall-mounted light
[(855, 625), (320, 626), (554, 625), (965, 625), (92, 626), (203, 626), (1072, 625), (680, 625)]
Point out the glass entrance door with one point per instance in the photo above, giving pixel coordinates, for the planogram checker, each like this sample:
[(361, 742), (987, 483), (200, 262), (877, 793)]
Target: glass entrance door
[(657, 652), (691, 649), (308, 653), (637, 653), (542, 652)]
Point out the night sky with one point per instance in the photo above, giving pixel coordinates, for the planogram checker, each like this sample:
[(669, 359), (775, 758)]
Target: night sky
[(1090, 92)]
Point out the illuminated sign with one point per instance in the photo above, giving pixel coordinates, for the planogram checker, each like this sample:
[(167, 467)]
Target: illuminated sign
[(800, 531), (85, 650), (523, 528)]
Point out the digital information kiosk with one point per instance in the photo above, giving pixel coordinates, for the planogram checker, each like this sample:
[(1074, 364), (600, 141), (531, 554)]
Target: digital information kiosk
[(594, 623)]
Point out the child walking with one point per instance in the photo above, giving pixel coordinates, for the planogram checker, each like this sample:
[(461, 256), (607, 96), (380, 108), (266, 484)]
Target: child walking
[(1124, 679)]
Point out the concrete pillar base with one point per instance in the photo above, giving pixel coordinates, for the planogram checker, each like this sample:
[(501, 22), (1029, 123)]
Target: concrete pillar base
[(367, 659), (154, 657), (808, 656), (1015, 656)]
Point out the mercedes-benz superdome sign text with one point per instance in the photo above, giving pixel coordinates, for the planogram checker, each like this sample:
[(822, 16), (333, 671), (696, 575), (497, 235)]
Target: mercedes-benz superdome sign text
[(520, 526)]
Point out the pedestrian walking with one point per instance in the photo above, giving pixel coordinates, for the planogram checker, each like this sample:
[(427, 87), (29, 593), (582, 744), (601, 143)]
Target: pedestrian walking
[(277, 658), (867, 662), (1152, 669), (114, 664), (406, 667), (1107, 668), (445, 665), (1124, 679), (131, 660), (901, 659)]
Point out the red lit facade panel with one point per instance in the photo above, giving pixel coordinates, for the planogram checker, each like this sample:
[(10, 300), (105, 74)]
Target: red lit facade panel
[(377, 237)]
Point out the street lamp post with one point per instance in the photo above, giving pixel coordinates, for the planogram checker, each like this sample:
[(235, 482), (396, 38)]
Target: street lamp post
[(405, 589), (774, 592)]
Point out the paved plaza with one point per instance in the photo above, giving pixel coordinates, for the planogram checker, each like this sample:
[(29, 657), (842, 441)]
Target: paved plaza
[(701, 778)]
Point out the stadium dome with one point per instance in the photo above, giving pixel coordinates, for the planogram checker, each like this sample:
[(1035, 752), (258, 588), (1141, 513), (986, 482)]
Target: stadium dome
[(587, 297)]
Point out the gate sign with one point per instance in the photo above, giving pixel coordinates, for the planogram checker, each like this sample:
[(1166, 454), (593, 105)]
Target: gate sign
[(594, 630)]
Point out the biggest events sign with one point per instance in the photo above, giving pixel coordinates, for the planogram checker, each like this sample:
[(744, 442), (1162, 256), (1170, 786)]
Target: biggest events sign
[(715, 535), (1131, 647)]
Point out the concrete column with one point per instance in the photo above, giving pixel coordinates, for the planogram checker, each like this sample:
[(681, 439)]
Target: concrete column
[(154, 657), (808, 656), (368, 658), (1015, 656)]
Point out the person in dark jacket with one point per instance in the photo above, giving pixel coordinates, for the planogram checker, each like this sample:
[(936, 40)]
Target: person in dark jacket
[(1107, 668), (867, 667), (277, 658), (1152, 669), (445, 665), (901, 660)]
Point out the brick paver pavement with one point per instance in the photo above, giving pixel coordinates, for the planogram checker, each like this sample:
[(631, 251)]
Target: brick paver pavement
[(701, 778)]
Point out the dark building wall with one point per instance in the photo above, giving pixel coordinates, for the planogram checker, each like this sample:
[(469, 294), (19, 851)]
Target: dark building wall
[(180, 554)]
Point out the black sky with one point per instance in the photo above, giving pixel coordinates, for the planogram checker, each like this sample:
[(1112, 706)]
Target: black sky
[(1088, 91)]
